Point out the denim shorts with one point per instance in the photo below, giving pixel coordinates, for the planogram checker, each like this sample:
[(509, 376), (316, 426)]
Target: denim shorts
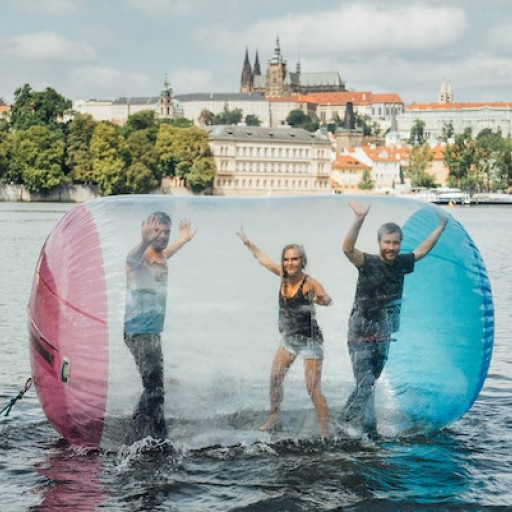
[(307, 348)]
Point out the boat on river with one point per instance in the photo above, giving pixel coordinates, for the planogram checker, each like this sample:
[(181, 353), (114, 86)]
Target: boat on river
[(491, 198), (452, 196)]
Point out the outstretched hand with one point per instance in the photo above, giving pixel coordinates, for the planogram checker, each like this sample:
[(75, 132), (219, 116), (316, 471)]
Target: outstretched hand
[(186, 233), (360, 210), (150, 229)]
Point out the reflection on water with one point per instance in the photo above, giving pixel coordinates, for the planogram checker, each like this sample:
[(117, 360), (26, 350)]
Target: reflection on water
[(72, 480)]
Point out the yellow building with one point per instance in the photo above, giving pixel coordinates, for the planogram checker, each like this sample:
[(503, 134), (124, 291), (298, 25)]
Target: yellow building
[(255, 161)]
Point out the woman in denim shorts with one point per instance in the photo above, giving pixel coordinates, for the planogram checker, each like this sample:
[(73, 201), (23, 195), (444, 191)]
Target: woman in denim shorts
[(300, 333)]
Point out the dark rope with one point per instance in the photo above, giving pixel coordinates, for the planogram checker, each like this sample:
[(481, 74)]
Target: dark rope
[(19, 396)]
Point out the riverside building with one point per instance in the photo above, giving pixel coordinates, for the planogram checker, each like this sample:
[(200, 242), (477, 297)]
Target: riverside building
[(256, 161)]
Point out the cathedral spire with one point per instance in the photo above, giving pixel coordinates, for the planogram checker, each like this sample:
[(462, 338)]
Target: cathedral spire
[(246, 81), (256, 71), (277, 58)]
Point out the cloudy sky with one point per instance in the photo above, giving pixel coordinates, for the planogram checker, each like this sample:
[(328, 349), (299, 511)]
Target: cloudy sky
[(109, 48)]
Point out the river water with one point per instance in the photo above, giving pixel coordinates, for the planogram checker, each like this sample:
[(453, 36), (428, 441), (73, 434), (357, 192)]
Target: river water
[(464, 467)]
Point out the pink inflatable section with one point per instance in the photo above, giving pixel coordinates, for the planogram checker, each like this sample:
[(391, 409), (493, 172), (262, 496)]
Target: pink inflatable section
[(69, 330)]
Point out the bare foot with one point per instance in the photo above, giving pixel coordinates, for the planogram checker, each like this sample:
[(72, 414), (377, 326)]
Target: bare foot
[(324, 433), (271, 422)]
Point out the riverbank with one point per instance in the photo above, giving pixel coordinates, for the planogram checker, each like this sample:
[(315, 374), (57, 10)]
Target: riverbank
[(65, 194)]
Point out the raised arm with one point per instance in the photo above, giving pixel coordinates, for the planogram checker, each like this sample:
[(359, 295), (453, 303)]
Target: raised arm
[(186, 234), (149, 232), (354, 255), (320, 296), (262, 258), (428, 244)]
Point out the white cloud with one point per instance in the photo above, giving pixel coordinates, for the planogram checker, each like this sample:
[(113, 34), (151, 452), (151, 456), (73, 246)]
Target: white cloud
[(159, 8), (500, 36), (51, 46), (96, 80), (51, 7), (364, 27), (187, 80), (490, 68)]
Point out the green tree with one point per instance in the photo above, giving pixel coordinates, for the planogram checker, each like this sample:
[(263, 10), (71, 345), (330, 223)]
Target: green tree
[(366, 182), (194, 159), (419, 159), (5, 155), (185, 153), (143, 120), (459, 158), (140, 179), (252, 120), (141, 157), (201, 173), (45, 108), (492, 160), (108, 168), (417, 135), (4, 122), (298, 119), (79, 157), (205, 117), (37, 159), (165, 150), (363, 122), (228, 116), (179, 122), (447, 132)]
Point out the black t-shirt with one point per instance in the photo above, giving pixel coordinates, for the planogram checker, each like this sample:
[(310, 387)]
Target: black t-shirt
[(376, 310)]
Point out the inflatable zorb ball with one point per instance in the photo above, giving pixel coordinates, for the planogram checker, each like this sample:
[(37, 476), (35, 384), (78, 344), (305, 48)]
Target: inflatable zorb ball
[(220, 331)]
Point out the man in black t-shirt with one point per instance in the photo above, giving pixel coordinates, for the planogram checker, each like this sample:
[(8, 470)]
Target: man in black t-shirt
[(375, 315)]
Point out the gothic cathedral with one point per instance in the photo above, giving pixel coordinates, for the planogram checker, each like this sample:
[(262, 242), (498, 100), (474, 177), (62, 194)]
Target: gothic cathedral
[(279, 82)]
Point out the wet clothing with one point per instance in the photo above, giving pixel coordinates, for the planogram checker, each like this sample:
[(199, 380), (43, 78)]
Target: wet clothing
[(300, 333), (148, 418), (368, 359), (143, 323), (376, 311), (375, 316), (147, 297)]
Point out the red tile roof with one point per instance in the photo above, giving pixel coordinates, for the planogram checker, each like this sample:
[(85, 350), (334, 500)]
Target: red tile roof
[(357, 98), (348, 162), (299, 98), (458, 106), (385, 154)]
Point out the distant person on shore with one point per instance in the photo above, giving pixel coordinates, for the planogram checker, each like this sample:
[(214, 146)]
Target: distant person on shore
[(375, 315), (300, 333), (145, 314)]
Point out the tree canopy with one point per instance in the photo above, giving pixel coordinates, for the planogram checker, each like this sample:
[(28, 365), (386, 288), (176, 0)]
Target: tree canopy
[(44, 145), (298, 119)]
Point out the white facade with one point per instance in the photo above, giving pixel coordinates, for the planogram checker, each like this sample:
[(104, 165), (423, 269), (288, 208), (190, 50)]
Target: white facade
[(116, 111), (255, 161), (384, 163), (194, 104), (476, 116)]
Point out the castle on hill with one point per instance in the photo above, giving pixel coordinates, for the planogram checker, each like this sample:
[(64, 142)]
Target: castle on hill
[(279, 81)]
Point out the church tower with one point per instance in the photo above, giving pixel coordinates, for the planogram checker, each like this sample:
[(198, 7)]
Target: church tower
[(449, 93), (445, 93), (165, 100), (276, 74), (246, 82)]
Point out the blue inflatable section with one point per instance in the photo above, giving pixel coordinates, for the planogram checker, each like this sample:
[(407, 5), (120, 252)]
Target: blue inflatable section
[(440, 359)]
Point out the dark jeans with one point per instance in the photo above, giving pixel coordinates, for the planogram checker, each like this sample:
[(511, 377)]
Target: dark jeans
[(148, 418), (368, 360)]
